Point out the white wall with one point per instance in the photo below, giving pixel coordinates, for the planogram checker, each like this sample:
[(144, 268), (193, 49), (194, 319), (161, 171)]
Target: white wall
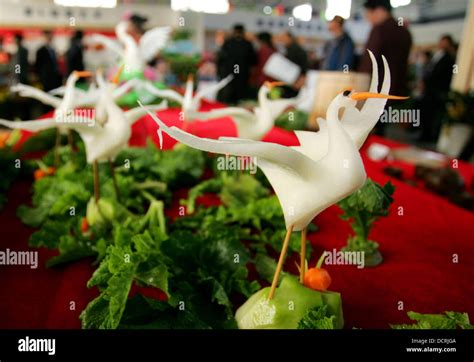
[(425, 34), (195, 22), (44, 13)]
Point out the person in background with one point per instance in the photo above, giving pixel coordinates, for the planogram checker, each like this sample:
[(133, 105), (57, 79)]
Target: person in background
[(47, 65), (339, 52), (265, 50), (296, 54), (437, 82), (388, 38), (422, 60), (136, 27), (439, 70), (75, 55), (4, 56), (419, 70), (219, 40), (20, 68), (236, 56), (313, 60), (207, 70), (20, 63)]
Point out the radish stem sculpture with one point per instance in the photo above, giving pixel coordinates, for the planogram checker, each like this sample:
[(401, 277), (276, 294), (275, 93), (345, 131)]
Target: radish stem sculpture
[(104, 135), (189, 104), (308, 178), (254, 124), (63, 107), (135, 54)]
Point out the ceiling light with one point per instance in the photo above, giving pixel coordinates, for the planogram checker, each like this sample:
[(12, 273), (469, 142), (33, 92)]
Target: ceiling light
[(88, 3), (303, 12), (267, 10), (341, 8), (398, 3), (201, 6)]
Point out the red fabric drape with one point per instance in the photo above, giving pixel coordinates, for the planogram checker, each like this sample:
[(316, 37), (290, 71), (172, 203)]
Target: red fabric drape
[(418, 248)]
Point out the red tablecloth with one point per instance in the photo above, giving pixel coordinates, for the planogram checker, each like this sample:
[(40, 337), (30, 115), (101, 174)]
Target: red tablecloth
[(418, 246)]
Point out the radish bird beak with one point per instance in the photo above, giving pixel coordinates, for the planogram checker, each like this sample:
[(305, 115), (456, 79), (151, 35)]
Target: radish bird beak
[(116, 78), (360, 96), (271, 85), (82, 74)]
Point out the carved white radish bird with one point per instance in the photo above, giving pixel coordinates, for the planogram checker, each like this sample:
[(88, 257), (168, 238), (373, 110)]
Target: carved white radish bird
[(189, 103), (306, 182), (72, 97), (89, 97), (135, 54), (105, 135), (257, 123), (103, 138), (357, 123), (304, 186), (63, 106)]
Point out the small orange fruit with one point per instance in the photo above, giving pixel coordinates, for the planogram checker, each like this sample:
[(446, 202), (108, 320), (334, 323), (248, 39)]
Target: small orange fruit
[(317, 279)]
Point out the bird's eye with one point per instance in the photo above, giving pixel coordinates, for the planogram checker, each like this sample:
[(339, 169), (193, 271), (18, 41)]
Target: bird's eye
[(346, 93)]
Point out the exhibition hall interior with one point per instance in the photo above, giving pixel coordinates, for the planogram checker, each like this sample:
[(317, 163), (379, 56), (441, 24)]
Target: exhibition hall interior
[(236, 164)]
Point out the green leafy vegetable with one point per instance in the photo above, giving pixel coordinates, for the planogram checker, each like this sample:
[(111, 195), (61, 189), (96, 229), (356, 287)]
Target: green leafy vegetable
[(292, 120), (447, 320), (317, 318), (131, 258), (364, 207), (234, 189), (12, 167), (191, 273)]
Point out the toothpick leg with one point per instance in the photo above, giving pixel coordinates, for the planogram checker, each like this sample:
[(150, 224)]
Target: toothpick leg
[(303, 255), (112, 172), (284, 250), (70, 139), (56, 148), (95, 167)]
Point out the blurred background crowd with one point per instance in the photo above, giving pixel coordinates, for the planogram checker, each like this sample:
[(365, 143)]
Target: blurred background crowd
[(421, 53)]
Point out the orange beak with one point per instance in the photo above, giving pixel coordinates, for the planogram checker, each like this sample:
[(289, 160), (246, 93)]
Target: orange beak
[(116, 78), (190, 78), (271, 85), (82, 74), (361, 96)]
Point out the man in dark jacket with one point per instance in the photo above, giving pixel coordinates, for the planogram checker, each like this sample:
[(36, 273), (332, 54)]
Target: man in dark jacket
[(439, 70), (74, 55), (296, 54), (21, 61), (22, 105), (388, 38), (47, 65), (436, 85), (339, 52), (236, 56)]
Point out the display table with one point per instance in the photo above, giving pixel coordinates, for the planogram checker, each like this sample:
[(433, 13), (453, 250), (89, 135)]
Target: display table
[(418, 241)]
